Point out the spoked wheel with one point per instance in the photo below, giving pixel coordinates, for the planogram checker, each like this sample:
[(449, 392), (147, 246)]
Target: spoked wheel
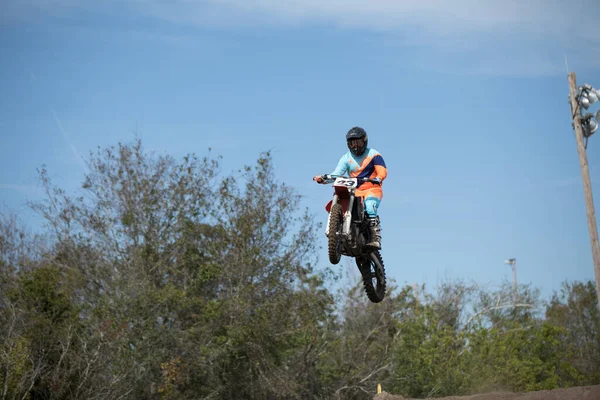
[(335, 233), (373, 275)]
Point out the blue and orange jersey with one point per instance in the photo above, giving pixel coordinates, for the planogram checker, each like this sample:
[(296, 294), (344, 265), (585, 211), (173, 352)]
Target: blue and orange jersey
[(369, 165)]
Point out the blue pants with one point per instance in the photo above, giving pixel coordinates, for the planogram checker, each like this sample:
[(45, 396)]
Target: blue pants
[(371, 206)]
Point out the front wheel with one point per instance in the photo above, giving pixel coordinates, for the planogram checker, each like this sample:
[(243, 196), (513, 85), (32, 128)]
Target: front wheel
[(335, 233), (373, 275)]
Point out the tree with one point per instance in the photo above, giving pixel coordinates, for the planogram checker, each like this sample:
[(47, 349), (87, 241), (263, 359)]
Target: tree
[(185, 284), (429, 355), (575, 310), (522, 358), (19, 253), (466, 339), (358, 354)]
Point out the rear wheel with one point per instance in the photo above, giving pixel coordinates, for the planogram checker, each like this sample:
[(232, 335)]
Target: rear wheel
[(373, 275), (335, 233)]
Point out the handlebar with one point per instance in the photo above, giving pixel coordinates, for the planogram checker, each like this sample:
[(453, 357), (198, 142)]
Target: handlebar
[(328, 177)]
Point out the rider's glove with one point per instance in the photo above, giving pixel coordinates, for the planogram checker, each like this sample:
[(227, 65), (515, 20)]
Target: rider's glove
[(377, 181), (318, 178)]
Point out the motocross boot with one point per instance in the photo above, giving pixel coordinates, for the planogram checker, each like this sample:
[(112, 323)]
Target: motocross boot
[(375, 229)]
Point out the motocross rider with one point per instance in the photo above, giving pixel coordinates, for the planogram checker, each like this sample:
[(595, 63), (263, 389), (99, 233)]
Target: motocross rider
[(364, 162)]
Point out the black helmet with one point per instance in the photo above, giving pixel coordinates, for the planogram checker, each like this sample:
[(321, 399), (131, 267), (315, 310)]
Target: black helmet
[(357, 140)]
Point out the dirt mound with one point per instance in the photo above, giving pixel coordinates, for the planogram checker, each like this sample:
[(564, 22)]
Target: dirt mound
[(575, 393)]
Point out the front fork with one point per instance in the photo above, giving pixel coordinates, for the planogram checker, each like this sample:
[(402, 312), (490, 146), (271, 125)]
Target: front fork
[(347, 221), (348, 218), (333, 203)]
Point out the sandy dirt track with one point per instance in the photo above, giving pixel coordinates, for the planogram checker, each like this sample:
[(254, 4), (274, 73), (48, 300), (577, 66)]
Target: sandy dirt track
[(575, 393)]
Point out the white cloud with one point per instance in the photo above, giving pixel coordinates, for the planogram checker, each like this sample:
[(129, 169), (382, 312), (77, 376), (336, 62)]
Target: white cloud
[(437, 17), (526, 37)]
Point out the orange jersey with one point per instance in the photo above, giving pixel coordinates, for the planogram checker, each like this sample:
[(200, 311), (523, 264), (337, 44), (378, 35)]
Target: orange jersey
[(369, 165)]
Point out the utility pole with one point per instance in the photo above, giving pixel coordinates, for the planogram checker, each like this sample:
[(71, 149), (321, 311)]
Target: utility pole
[(513, 263), (585, 176)]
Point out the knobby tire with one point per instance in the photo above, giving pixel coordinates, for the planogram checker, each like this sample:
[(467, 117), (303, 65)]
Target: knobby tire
[(373, 270), (335, 233)]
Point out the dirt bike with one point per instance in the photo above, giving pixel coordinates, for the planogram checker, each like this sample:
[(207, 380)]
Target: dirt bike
[(348, 233)]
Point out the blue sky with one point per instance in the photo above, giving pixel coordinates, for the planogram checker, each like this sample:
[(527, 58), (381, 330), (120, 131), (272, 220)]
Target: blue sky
[(466, 100)]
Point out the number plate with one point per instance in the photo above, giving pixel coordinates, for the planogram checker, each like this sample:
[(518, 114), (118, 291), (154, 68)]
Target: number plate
[(346, 182)]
